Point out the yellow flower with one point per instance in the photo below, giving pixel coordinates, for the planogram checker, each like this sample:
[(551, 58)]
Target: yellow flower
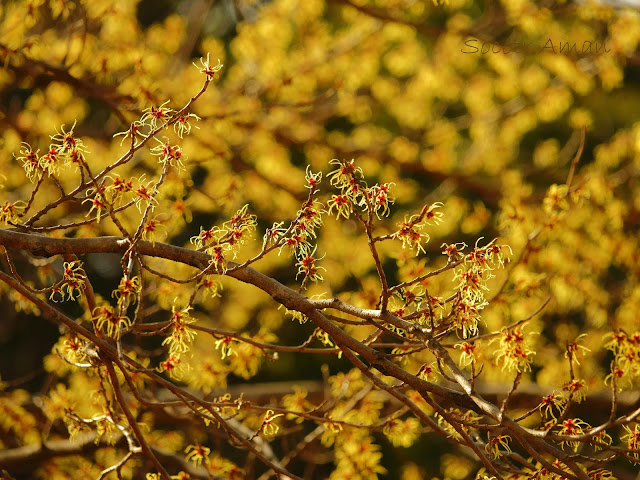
[(106, 317), (514, 352), (197, 454), (402, 433), (155, 117), (297, 402), (74, 279), (181, 335), (98, 204), (573, 427), (10, 212), (208, 69), (269, 428), (183, 126), (225, 345), (495, 443), (126, 291), (632, 438), (168, 154), (342, 204), (30, 162)]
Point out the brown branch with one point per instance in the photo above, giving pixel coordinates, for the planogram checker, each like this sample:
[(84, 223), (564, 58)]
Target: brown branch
[(16, 458), (39, 70), (576, 159), (144, 446), (531, 440), (107, 352)]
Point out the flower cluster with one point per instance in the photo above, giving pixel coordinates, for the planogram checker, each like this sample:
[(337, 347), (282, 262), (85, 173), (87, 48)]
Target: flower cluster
[(412, 231), (183, 124), (67, 144), (488, 257), (127, 291), (66, 149), (168, 154), (132, 132), (378, 199), (197, 454), (474, 271), (297, 243), (602, 438), (347, 177), (453, 251), (105, 317), (307, 267), (210, 286), (355, 192), (468, 353), (467, 417), (268, 427), (571, 427), (497, 445), (30, 162), (238, 225), (426, 372), (575, 389), (181, 335), (220, 242), (98, 204), (556, 202), (151, 228), (204, 238), (156, 116), (73, 279), (74, 349), (115, 191), (10, 212), (145, 194), (358, 456), (297, 402), (119, 191), (514, 353), (552, 404), (225, 344), (324, 338), (154, 119), (342, 204), (632, 439), (298, 236), (626, 364), (296, 315), (308, 218), (208, 69), (402, 433), (208, 373), (407, 301), (51, 161), (466, 315), (174, 366)]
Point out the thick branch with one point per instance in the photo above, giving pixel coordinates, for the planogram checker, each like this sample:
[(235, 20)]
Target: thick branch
[(47, 246)]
